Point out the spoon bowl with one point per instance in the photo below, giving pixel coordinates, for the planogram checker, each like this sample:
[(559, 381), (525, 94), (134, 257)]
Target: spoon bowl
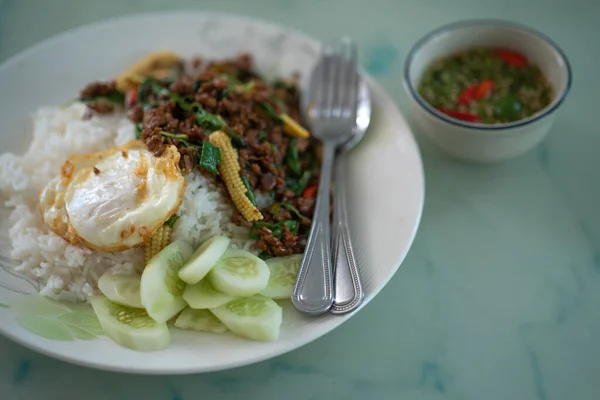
[(363, 116)]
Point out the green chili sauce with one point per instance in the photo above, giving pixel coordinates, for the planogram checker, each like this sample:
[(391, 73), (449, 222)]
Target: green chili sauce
[(490, 86)]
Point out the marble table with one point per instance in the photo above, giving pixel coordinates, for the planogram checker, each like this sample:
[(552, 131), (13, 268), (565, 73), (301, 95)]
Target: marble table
[(499, 297)]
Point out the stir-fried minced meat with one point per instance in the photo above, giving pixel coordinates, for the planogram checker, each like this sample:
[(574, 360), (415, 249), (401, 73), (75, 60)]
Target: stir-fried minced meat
[(97, 89), (102, 97), (229, 96)]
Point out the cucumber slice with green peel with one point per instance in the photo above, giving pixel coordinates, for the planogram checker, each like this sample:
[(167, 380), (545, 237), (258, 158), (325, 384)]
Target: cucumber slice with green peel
[(121, 289), (256, 317), (204, 258), (239, 273), (199, 320), (283, 276), (204, 295), (160, 287), (130, 327)]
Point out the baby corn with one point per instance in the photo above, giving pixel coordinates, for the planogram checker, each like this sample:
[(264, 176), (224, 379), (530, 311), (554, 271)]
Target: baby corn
[(230, 172)]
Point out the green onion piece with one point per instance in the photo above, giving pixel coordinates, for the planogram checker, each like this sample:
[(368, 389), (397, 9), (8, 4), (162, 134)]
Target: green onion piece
[(291, 157), (262, 135), (179, 136), (210, 157), (171, 221), (249, 192)]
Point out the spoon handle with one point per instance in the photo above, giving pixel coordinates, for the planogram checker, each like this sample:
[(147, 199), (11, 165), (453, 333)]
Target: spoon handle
[(348, 287), (313, 292)]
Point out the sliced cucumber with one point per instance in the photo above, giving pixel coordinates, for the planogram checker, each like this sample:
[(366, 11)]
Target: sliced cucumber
[(199, 320), (160, 286), (130, 327), (121, 289), (204, 258), (239, 273), (283, 276), (204, 295), (256, 317)]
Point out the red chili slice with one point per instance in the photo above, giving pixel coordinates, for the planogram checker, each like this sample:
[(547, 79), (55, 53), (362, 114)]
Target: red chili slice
[(310, 191), (511, 57), (475, 92), (467, 95), (483, 89), (463, 116), (131, 98)]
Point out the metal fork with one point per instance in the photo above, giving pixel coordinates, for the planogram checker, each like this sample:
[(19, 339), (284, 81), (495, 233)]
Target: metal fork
[(331, 111)]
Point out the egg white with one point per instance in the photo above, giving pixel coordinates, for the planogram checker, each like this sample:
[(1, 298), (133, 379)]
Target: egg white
[(117, 202)]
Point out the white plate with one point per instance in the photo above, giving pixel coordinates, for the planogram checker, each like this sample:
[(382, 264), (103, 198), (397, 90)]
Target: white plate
[(386, 185)]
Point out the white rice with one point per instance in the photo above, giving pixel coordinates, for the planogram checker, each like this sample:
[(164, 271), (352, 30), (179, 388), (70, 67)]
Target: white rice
[(69, 272)]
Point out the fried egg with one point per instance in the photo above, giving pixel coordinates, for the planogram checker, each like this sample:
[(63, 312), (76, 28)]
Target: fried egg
[(114, 200)]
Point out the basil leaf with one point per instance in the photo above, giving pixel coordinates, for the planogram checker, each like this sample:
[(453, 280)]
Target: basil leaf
[(275, 229), (298, 185), (147, 87), (141, 97), (210, 157), (291, 157), (209, 121), (186, 103)]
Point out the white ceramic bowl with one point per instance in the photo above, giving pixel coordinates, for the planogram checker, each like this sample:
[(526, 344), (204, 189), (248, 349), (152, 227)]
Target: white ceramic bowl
[(476, 142)]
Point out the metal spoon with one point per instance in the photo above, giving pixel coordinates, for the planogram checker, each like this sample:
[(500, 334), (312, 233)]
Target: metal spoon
[(349, 292)]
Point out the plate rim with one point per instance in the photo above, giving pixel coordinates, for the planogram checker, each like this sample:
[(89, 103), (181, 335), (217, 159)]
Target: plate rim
[(339, 319)]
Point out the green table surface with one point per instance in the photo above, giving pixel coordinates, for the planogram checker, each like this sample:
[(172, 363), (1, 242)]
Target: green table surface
[(499, 297)]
